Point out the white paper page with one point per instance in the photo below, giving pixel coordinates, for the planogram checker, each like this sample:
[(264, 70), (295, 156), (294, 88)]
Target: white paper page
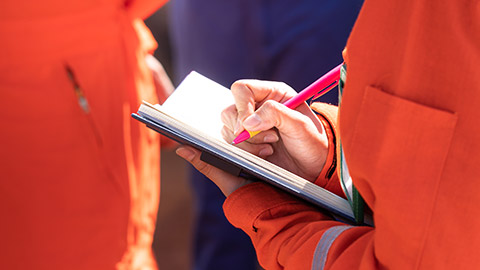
[(198, 102)]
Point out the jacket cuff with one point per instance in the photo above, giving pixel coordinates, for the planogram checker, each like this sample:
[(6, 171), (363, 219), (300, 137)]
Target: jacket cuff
[(247, 203), (328, 178)]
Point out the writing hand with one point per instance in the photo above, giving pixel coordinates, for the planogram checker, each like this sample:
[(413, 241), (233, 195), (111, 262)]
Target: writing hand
[(292, 139)]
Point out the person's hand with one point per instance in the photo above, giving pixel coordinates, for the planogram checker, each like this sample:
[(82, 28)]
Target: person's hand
[(227, 182), (292, 139), (163, 87), (163, 84)]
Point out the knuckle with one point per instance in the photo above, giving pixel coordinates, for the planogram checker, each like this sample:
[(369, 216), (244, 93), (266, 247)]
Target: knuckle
[(229, 110), (239, 87), (228, 113), (270, 105), (226, 133)]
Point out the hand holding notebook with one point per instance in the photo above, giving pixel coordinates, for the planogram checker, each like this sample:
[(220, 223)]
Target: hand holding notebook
[(184, 117)]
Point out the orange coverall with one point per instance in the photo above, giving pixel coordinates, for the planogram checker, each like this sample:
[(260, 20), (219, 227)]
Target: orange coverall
[(409, 124), (79, 182)]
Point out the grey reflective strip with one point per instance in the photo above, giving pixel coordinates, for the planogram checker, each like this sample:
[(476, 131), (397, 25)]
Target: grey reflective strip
[(323, 246)]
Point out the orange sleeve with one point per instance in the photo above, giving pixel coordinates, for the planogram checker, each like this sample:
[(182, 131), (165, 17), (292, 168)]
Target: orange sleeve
[(287, 233), (407, 139), (143, 8)]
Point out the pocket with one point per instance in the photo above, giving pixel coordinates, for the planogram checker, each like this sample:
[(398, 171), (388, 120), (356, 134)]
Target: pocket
[(99, 104), (83, 104), (396, 157)]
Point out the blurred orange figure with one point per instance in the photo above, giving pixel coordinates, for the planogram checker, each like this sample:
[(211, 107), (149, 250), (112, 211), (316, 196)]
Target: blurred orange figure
[(79, 182)]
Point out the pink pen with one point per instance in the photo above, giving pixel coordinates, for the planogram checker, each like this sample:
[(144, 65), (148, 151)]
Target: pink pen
[(317, 88)]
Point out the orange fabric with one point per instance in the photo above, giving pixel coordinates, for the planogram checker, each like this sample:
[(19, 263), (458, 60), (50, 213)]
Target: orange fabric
[(328, 177), (409, 128), (79, 188), (142, 8)]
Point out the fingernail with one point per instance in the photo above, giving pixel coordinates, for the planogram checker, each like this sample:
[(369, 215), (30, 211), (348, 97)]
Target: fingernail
[(252, 121), (185, 153), (236, 128), (270, 138), (267, 151)]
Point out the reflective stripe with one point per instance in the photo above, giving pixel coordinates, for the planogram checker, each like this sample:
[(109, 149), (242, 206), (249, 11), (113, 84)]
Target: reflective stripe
[(323, 246)]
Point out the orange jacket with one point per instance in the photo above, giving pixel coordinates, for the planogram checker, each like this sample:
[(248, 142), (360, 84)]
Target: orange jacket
[(79, 181), (409, 124)]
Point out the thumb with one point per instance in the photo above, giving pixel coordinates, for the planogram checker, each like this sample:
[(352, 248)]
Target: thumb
[(192, 155), (225, 181), (273, 114)]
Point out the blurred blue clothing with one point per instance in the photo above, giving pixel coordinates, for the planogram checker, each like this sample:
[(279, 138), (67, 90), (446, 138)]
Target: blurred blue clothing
[(294, 41)]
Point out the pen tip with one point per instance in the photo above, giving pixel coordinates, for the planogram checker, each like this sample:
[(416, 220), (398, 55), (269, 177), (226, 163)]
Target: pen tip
[(232, 143)]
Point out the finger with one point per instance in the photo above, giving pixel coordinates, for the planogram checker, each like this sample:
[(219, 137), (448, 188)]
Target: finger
[(268, 136), (259, 148), (302, 138), (249, 94), (225, 181), (263, 150), (163, 85), (227, 134), (229, 117), (273, 114)]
